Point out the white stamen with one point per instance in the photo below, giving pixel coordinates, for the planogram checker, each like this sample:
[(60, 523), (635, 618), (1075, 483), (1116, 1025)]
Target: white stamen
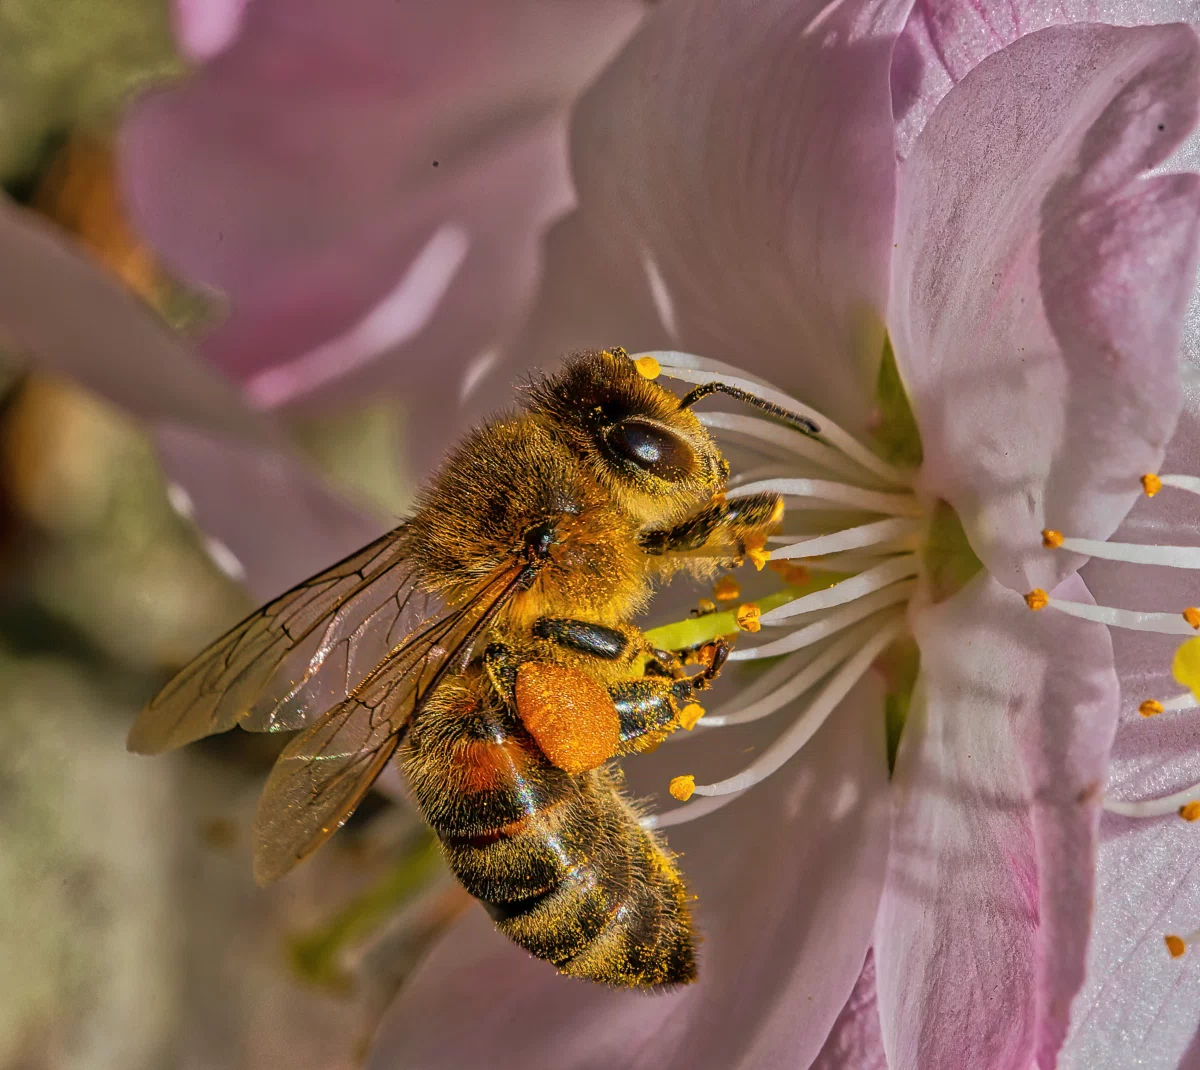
[(224, 558), (783, 440), (1186, 701), (828, 625), (898, 568), (1189, 483), (1163, 623), (692, 369), (1168, 804), (1136, 553), (688, 812), (815, 671), (805, 726), (851, 538), (842, 493)]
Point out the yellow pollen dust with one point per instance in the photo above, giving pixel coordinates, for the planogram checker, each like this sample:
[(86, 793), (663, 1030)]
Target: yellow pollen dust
[(690, 715), (726, 589), (1037, 599), (682, 787), (747, 617), (1051, 539), (1150, 708), (1190, 811), (791, 572), (777, 515), (1192, 616), (1151, 484), (1175, 945), (706, 606), (759, 557), (648, 367)]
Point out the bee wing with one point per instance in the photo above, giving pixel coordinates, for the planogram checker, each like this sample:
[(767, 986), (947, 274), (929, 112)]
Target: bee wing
[(300, 654), (322, 774)]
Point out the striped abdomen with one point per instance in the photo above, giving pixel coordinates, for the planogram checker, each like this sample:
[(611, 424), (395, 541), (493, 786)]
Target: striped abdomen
[(558, 859)]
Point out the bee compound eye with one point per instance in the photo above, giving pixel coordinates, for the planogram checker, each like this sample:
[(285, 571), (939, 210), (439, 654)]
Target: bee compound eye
[(652, 448)]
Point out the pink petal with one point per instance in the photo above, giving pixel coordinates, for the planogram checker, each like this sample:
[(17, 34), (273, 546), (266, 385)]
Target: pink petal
[(944, 40), (1139, 1007), (206, 27), (855, 1042), (275, 523), (306, 168), (69, 316), (984, 922), (1040, 285), (788, 880), (735, 170)]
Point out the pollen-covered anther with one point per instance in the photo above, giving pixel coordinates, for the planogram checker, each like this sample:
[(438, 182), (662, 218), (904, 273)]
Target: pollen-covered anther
[(726, 589), (747, 617), (1175, 945), (690, 715), (648, 367), (1051, 539), (759, 557), (1151, 484), (1192, 616), (682, 787), (1190, 811), (1037, 599), (1150, 708)]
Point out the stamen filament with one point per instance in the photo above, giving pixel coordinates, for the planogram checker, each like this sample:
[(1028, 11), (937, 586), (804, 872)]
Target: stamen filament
[(1168, 804), (1191, 484), (873, 501), (805, 726), (898, 568), (812, 673), (831, 624), (692, 369), (849, 539), (1186, 701), (1163, 623), (688, 812), (1133, 553), (787, 442)]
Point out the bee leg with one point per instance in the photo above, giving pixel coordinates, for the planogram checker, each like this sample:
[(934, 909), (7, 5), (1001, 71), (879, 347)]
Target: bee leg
[(597, 640), (650, 709), (720, 526)]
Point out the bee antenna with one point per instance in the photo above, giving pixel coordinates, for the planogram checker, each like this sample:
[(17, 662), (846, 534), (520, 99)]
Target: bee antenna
[(794, 420)]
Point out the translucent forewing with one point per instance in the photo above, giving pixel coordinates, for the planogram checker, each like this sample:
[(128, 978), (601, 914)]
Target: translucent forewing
[(291, 660), (324, 772)]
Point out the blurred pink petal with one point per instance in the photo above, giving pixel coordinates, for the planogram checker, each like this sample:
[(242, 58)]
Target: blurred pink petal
[(68, 315), (206, 27), (307, 169), (984, 922), (855, 1042), (1040, 284), (944, 40), (735, 180), (788, 880)]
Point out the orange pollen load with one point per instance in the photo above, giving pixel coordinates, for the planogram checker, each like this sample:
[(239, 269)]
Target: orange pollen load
[(1037, 599), (1175, 946), (570, 716), (1150, 708), (1190, 811), (747, 617), (1052, 540), (1151, 484), (726, 589), (1192, 616), (647, 367)]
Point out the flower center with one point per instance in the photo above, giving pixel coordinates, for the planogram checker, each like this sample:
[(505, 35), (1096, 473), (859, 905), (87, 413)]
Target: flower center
[(856, 544)]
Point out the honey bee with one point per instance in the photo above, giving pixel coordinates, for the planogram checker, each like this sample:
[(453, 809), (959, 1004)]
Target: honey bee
[(487, 645)]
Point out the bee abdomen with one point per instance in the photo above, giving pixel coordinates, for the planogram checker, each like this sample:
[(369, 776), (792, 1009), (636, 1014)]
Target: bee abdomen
[(559, 861)]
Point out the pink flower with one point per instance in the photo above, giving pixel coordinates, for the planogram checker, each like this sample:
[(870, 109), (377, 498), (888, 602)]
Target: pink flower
[(740, 198)]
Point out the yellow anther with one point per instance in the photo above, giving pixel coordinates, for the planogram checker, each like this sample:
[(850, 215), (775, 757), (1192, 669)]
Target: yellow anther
[(1190, 811), (707, 605), (1151, 484), (1037, 599), (648, 367), (1192, 616), (726, 589), (690, 715), (1175, 945), (682, 787), (759, 557), (1150, 708), (1051, 539), (747, 617)]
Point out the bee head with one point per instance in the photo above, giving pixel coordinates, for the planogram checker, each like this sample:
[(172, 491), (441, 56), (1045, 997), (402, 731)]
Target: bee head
[(650, 454)]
